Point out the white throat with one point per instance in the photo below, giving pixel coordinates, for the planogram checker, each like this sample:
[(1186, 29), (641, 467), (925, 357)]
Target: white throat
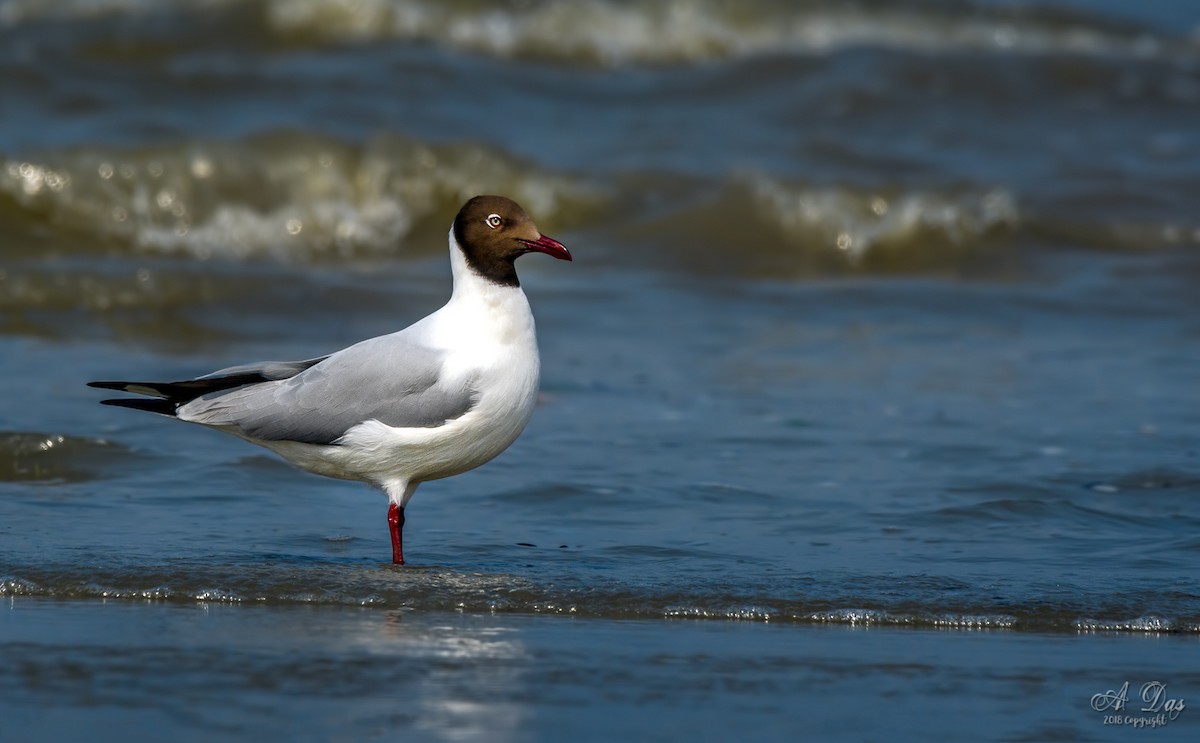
[(481, 308)]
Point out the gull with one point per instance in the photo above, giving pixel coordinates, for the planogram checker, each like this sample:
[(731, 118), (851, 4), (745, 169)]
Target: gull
[(440, 397)]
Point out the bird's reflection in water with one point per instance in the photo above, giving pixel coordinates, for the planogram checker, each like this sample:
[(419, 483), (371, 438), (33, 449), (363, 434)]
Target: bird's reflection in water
[(469, 673)]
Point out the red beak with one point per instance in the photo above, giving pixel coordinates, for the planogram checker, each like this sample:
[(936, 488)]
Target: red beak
[(549, 246)]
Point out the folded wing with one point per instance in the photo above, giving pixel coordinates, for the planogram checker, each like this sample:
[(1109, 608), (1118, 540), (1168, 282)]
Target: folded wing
[(317, 401)]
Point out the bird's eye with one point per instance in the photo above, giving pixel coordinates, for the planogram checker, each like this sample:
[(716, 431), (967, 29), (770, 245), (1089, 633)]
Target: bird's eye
[(493, 220)]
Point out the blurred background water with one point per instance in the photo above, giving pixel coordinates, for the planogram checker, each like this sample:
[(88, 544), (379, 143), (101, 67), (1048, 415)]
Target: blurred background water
[(884, 326)]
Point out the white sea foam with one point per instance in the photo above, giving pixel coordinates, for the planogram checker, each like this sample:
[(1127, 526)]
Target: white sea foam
[(278, 196), (855, 222), (682, 30), (666, 31), (1149, 623)]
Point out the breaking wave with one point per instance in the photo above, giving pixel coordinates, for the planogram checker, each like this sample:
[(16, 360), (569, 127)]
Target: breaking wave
[(440, 589), (282, 196), (679, 31), (666, 31), (860, 223), (304, 197)]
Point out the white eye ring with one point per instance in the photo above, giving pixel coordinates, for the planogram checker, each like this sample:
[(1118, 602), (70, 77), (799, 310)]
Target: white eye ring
[(493, 220)]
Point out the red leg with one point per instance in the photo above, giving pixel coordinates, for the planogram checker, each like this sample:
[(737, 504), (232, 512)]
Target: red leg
[(396, 524)]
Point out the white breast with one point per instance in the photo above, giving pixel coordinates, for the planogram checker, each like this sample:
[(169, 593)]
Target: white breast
[(488, 334)]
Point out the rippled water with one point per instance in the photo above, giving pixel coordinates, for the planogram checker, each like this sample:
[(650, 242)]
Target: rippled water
[(883, 316)]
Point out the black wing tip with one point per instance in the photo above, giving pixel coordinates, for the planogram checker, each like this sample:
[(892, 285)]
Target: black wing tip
[(152, 405), (166, 397)]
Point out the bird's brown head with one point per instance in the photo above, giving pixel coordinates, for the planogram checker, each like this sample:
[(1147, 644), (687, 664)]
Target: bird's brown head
[(493, 231)]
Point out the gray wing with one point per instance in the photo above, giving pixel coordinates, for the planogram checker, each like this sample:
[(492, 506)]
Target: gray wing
[(268, 370), (387, 379)]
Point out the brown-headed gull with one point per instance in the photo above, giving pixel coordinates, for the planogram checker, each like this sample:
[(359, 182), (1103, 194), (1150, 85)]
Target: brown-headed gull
[(440, 397)]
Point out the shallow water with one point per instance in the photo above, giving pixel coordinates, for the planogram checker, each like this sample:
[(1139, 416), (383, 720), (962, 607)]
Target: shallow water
[(882, 326), (236, 672)]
